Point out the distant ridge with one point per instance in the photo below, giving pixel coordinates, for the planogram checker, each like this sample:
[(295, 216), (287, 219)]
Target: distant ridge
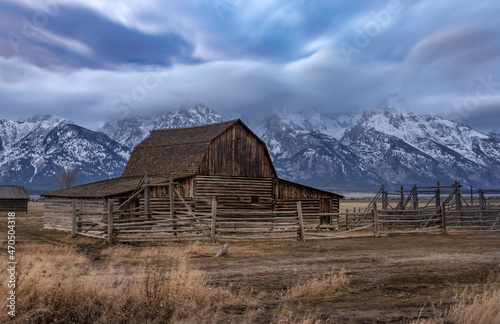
[(355, 152)]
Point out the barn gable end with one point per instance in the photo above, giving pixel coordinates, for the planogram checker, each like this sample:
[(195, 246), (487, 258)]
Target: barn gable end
[(237, 152)]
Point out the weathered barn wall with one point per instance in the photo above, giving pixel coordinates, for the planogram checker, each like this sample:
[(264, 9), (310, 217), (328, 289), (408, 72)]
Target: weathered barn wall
[(233, 193), (239, 153), (19, 206), (185, 186), (288, 190)]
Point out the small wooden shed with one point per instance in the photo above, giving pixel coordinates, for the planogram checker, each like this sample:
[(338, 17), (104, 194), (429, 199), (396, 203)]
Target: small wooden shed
[(225, 161), (13, 199)]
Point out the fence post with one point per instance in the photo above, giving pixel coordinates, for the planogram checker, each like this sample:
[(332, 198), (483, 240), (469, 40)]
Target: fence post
[(402, 199), (73, 220), (385, 198), (481, 203), (375, 219), (301, 221), (458, 196), (172, 206), (147, 210), (415, 197), (443, 218), (438, 196), (214, 219), (110, 221), (347, 218)]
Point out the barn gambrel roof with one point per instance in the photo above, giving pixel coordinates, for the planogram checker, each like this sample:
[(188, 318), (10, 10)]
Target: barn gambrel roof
[(180, 150)]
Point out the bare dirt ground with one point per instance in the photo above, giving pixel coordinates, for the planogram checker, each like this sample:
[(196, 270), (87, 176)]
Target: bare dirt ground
[(393, 279)]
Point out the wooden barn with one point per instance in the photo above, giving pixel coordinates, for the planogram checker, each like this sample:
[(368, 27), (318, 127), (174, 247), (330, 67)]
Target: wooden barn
[(224, 161), (13, 199)]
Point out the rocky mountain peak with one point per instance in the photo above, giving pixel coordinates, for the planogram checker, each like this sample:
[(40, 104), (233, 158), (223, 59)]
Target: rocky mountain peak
[(46, 118), (494, 134), (133, 130)]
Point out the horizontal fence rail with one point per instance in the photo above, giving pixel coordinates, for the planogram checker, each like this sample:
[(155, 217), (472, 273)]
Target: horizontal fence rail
[(140, 225), (410, 221)]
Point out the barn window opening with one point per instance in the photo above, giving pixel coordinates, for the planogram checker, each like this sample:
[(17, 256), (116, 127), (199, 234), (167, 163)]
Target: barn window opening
[(255, 199)]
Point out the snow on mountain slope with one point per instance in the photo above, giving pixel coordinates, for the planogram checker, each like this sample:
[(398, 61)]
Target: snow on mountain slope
[(414, 129), (12, 132), (311, 157), (312, 121)]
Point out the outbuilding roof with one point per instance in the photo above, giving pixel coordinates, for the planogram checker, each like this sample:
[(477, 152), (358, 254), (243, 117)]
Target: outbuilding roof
[(13, 192), (104, 188)]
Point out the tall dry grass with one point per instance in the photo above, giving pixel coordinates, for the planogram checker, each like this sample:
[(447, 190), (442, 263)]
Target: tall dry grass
[(327, 284), (472, 306), (63, 287), (161, 252)]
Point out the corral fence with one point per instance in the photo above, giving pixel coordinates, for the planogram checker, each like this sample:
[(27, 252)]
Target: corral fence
[(136, 226)]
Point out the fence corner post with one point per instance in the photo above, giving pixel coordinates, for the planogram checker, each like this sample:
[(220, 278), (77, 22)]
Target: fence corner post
[(301, 222), (214, 219), (110, 221), (147, 209), (443, 218), (375, 220), (73, 220)]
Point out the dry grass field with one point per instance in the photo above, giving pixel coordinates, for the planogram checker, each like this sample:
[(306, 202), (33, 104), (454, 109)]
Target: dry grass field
[(392, 279)]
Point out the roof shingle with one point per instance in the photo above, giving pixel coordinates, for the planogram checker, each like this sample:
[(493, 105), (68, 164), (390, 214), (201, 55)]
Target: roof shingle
[(13, 192)]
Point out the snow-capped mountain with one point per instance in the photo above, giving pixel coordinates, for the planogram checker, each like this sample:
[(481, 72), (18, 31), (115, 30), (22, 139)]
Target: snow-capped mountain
[(131, 131), (305, 151), (35, 150), (389, 145)]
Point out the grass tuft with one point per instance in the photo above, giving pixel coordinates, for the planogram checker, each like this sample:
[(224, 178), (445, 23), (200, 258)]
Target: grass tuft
[(326, 285), (472, 306)]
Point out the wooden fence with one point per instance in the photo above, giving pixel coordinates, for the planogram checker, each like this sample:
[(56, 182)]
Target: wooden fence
[(137, 226)]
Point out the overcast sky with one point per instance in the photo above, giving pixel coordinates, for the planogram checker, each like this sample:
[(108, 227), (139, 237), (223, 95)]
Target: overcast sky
[(92, 61)]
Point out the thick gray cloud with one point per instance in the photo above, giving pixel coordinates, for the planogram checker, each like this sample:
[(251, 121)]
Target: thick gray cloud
[(94, 60)]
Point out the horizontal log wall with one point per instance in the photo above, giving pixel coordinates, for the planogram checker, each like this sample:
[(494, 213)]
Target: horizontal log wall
[(184, 186), (160, 207), (19, 206), (233, 193)]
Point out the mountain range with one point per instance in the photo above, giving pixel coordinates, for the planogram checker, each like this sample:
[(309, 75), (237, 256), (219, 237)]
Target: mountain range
[(34, 151), (358, 152)]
